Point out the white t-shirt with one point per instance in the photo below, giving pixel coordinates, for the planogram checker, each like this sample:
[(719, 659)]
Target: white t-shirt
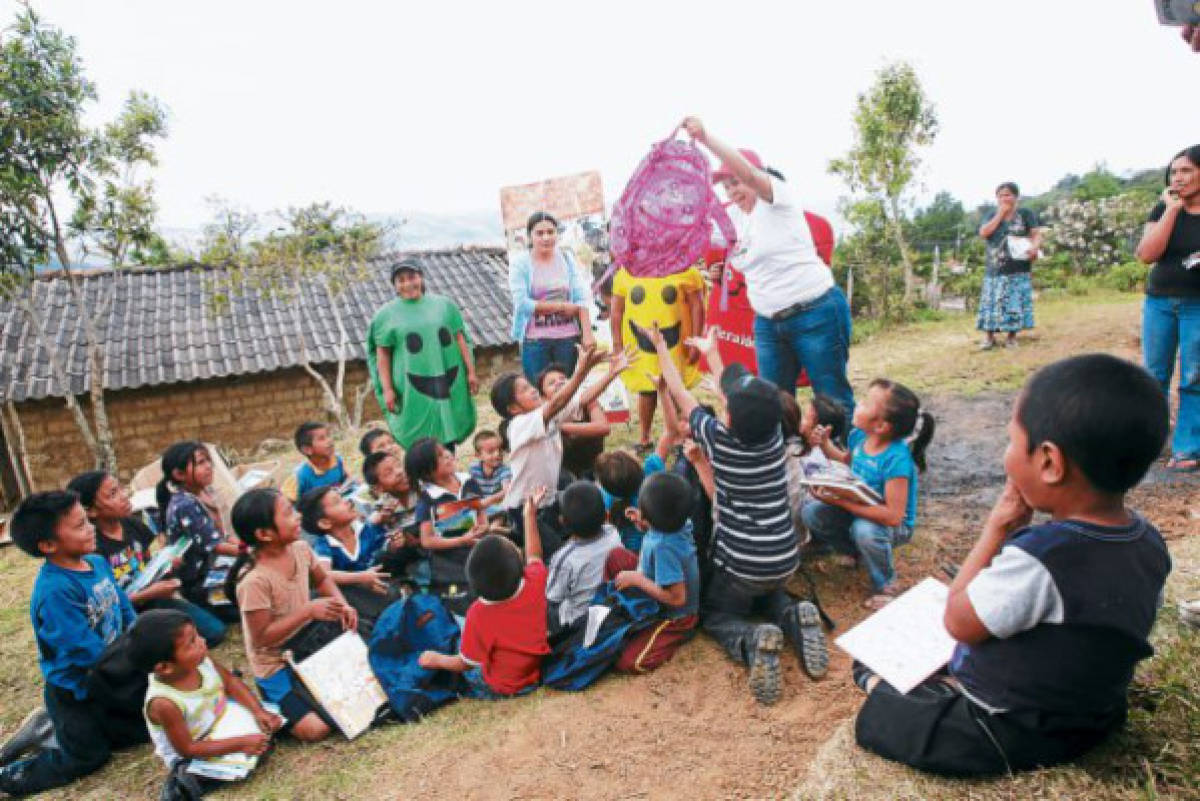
[(536, 453), (775, 252)]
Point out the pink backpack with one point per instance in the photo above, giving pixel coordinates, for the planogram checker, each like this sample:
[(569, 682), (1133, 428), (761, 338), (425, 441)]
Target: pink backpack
[(663, 222)]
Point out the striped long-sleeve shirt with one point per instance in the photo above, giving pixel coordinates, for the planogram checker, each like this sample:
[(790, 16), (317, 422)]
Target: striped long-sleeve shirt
[(754, 537)]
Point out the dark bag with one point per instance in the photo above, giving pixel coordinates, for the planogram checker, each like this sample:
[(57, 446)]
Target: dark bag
[(119, 690), (312, 638), (405, 629), (183, 786), (572, 665)]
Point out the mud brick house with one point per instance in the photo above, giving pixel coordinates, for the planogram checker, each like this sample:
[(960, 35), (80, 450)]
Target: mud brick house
[(178, 368)]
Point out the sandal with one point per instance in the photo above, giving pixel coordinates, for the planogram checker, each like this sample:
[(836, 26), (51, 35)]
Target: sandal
[(1183, 464)]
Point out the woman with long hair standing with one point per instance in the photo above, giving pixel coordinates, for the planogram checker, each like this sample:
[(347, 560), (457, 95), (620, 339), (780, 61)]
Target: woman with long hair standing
[(1171, 315)]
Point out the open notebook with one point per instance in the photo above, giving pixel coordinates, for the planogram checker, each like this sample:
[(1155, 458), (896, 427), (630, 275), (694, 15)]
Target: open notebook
[(235, 721), (340, 679), (906, 641)]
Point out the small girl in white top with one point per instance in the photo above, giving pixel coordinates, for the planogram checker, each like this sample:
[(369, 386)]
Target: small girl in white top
[(189, 692)]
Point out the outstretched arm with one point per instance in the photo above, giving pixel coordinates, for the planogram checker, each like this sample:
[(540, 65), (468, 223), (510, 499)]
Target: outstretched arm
[(745, 172), (670, 373)]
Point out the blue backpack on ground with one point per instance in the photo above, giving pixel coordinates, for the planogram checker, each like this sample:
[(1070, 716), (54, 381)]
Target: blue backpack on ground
[(405, 629), (573, 665)]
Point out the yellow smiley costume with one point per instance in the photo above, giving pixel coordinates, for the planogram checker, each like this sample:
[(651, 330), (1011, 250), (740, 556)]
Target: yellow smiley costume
[(663, 301)]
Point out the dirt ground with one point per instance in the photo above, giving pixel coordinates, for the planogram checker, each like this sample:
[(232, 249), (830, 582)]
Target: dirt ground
[(690, 730)]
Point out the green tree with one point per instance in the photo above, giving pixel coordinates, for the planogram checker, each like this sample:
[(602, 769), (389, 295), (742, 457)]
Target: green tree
[(1097, 185), (226, 237), (321, 246), (117, 219), (51, 166), (892, 120), (864, 260), (942, 222)]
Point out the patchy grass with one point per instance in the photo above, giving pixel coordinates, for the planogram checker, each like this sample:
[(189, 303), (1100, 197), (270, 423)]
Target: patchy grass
[(1156, 755), (690, 729)]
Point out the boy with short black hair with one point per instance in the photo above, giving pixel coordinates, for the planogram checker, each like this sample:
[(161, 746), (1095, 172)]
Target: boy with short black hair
[(755, 550), (189, 691), (379, 440), (504, 637), (1052, 618), (667, 571), (77, 610), (322, 467), (491, 474), (577, 568)]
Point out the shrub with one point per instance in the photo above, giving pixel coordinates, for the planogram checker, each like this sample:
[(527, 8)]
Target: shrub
[(1127, 277)]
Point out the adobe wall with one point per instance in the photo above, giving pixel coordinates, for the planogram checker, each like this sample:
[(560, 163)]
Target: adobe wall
[(237, 413)]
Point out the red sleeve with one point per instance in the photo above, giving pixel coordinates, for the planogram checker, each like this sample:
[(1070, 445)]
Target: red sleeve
[(535, 576), (473, 648)]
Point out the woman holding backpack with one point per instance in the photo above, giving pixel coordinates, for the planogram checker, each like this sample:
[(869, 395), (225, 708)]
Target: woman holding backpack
[(551, 300), (801, 318)]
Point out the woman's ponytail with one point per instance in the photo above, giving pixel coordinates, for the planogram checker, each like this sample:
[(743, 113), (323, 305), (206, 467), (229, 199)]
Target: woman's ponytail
[(253, 511)]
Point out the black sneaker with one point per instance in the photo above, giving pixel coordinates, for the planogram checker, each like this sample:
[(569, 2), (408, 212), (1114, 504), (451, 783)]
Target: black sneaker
[(36, 726), (766, 679), (802, 625)]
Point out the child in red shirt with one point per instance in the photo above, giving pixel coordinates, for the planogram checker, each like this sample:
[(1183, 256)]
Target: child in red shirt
[(504, 637)]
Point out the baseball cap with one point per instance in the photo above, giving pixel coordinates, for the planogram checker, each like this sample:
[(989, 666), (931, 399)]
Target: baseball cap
[(753, 403), (407, 263), (723, 172)]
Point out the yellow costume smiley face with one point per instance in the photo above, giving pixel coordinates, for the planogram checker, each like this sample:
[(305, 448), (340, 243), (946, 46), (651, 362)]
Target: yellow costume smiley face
[(676, 304)]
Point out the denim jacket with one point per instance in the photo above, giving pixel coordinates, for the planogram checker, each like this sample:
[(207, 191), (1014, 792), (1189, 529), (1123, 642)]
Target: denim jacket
[(520, 284)]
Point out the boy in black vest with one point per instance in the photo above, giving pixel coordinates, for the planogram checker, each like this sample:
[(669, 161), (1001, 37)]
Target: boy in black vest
[(1050, 618)]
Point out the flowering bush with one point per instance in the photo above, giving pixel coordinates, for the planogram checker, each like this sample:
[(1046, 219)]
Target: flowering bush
[(1095, 234)]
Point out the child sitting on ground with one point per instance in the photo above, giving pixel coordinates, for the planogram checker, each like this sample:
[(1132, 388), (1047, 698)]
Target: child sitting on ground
[(125, 542), (667, 570), (275, 602), (448, 510), (803, 431), (322, 467), (577, 568), (504, 637), (1050, 618), (491, 475), (351, 551), (189, 692), (379, 440), (77, 611), (532, 428), (620, 477), (879, 455), (583, 434), (388, 498), (189, 510), (754, 550)]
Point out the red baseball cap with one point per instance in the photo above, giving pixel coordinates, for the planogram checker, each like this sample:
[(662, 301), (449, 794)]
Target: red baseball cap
[(723, 172)]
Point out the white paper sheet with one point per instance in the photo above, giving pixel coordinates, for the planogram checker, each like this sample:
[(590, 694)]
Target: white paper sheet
[(340, 678), (906, 641)]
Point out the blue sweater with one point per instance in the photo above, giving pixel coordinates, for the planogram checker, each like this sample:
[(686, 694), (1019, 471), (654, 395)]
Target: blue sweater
[(75, 615)]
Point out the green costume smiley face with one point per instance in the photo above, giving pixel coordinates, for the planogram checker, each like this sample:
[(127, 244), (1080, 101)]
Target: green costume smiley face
[(428, 373)]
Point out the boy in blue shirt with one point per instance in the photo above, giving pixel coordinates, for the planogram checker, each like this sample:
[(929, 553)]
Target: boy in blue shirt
[(77, 610), (322, 467), (1051, 618), (667, 571)]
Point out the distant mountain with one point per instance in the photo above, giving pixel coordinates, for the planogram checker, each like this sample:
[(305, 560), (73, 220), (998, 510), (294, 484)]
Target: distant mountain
[(410, 230)]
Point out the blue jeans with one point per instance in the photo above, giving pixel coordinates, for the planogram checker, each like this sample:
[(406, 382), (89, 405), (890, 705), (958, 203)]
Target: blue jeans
[(538, 354), (208, 625), (478, 689), (1170, 326), (845, 533), (816, 339)]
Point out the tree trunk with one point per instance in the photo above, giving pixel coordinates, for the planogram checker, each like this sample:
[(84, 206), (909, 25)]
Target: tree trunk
[(60, 375), (333, 403), (898, 232), (339, 384), (360, 400), (104, 450), (14, 436)]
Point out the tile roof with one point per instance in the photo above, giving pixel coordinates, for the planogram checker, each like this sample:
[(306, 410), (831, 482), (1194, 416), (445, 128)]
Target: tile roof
[(161, 328)]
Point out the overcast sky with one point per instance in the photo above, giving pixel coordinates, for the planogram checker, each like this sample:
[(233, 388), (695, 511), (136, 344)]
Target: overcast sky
[(386, 106)]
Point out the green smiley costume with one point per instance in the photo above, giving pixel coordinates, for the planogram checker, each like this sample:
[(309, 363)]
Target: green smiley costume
[(428, 374)]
